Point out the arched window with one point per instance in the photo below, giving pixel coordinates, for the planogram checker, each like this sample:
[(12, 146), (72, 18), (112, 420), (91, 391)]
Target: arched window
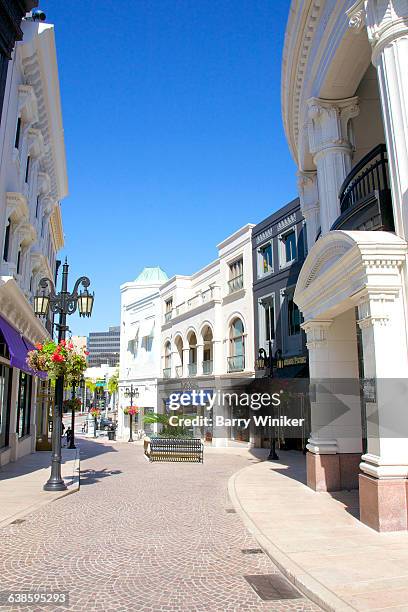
[(236, 360)]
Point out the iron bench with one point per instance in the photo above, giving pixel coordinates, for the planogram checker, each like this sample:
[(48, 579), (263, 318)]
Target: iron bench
[(175, 449)]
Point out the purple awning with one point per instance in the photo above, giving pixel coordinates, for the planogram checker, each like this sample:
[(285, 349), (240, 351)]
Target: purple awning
[(18, 348)]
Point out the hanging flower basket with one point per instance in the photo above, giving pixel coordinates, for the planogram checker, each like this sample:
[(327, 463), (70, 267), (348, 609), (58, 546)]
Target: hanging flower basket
[(58, 360), (131, 410), (73, 404), (95, 412)]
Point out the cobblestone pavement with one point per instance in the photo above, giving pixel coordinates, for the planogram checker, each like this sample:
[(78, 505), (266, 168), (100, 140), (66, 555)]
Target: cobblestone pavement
[(140, 536)]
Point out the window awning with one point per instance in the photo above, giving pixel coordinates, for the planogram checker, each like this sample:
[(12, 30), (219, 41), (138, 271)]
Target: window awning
[(18, 348), (146, 328)]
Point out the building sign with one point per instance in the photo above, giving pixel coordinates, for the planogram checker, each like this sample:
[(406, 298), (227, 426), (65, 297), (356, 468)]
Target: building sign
[(291, 361), (100, 383)]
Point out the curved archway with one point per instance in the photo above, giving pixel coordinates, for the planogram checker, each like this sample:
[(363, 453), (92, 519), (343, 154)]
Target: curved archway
[(192, 352), (178, 355), (208, 349)]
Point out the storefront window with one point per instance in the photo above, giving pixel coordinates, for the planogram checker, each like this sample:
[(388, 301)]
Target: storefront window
[(5, 393), (24, 404)]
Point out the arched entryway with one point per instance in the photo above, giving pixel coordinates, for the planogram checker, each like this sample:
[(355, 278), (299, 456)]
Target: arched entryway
[(350, 291)]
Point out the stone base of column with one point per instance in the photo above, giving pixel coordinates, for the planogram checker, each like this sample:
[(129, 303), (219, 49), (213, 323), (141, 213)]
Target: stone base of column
[(334, 472), (383, 503)]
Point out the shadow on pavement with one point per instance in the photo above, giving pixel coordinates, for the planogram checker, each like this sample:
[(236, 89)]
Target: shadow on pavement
[(93, 476)]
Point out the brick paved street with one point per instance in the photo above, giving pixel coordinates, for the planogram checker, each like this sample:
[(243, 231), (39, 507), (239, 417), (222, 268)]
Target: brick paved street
[(141, 536)]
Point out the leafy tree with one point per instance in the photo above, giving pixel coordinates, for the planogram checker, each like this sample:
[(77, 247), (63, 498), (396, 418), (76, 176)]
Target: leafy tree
[(113, 383)]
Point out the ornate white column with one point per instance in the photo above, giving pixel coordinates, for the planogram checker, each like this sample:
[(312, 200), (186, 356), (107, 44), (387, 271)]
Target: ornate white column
[(186, 358), (309, 203), (384, 467), (331, 150), (200, 357), (387, 28)]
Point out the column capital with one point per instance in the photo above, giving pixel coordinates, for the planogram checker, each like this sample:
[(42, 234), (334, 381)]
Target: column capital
[(316, 332), (328, 123), (374, 306), (385, 21)]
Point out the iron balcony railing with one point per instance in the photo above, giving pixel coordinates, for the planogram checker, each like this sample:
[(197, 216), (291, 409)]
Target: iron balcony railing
[(368, 176), (192, 369), (236, 363), (166, 372), (236, 283), (207, 366), (179, 371), (167, 316)]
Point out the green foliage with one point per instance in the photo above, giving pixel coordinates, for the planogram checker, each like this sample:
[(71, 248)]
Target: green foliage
[(113, 383), (168, 431)]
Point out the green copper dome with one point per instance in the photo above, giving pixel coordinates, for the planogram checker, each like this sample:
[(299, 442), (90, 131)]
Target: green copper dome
[(152, 275)]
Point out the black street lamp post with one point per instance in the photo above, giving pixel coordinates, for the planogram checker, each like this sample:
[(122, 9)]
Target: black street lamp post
[(267, 360), (131, 392), (63, 304)]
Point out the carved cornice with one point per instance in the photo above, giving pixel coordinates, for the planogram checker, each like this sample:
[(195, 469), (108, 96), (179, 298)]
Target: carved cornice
[(294, 64), (17, 207)]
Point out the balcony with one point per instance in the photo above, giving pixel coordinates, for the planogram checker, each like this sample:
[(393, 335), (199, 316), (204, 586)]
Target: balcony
[(365, 195), (192, 369), (166, 372), (204, 297), (236, 283), (207, 367), (236, 363), (179, 371)]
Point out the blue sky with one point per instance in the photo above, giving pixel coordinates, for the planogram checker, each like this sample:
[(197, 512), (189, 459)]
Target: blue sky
[(173, 133)]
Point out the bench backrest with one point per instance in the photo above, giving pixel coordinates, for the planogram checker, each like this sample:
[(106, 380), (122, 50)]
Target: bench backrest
[(176, 443)]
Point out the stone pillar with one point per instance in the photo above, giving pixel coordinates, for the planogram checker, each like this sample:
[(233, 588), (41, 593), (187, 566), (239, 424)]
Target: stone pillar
[(309, 203), (334, 448), (383, 482), (387, 29), (200, 357), (331, 150), (186, 357)]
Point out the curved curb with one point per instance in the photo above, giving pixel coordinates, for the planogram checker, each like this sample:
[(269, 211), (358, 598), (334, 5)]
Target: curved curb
[(309, 586)]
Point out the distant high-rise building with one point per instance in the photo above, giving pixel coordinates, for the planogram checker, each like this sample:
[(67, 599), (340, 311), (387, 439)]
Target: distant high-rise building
[(104, 347)]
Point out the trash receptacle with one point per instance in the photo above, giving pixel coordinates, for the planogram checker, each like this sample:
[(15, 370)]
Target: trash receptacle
[(111, 434)]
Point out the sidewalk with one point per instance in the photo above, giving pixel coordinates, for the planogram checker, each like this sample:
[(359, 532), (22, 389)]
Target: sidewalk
[(317, 542), (21, 483)]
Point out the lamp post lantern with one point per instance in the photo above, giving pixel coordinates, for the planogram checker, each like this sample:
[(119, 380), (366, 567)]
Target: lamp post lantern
[(131, 392), (63, 304)]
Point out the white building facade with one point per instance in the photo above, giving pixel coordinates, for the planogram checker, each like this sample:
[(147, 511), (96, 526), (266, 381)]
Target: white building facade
[(345, 111), (207, 333), (33, 181), (140, 346)]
